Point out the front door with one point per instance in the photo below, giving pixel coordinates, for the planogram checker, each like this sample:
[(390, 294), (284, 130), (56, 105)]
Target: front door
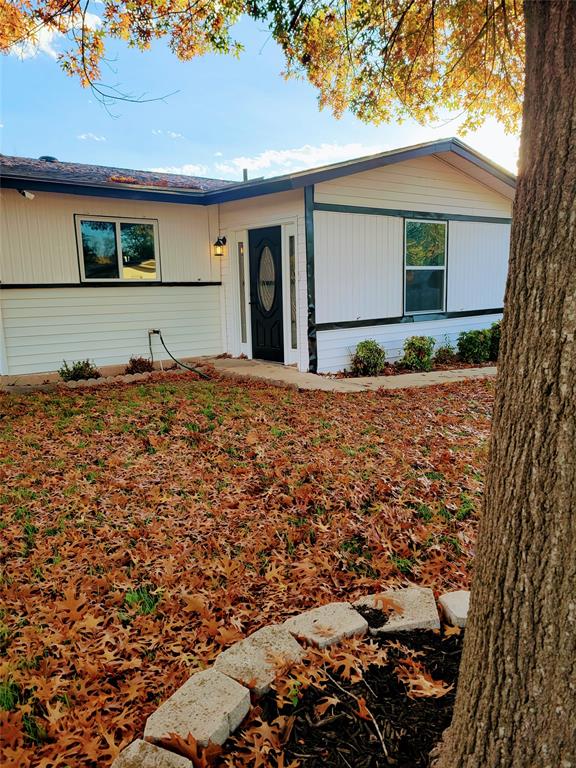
[(266, 293)]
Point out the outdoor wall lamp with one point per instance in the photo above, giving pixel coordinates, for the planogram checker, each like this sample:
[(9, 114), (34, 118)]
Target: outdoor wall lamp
[(219, 246)]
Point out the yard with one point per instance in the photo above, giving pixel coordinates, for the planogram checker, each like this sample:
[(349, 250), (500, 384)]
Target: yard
[(146, 527)]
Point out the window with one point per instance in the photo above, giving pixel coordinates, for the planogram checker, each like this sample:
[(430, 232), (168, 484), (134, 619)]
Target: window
[(425, 266), (292, 261), (242, 280), (111, 249), (266, 280)]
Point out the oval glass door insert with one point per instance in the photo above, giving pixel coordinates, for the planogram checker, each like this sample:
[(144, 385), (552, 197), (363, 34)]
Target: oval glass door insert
[(266, 279)]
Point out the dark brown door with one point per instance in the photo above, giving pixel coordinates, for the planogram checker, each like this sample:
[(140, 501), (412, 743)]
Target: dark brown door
[(266, 293)]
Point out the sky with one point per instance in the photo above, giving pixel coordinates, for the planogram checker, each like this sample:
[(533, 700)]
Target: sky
[(224, 114)]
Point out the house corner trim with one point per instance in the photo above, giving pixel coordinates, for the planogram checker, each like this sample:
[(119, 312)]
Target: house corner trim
[(311, 292)]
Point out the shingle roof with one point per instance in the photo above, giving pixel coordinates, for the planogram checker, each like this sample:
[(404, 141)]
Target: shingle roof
[(54, 170)]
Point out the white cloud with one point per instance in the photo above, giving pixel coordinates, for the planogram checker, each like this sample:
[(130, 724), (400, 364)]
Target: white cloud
[(277, 161), (186, 170), (44, 39), (272, 162), (90, 137), (170, 134)]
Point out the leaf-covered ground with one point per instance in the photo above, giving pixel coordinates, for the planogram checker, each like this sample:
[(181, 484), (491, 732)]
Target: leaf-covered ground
[(144, 528)]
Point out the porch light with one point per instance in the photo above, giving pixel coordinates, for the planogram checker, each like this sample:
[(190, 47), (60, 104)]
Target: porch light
[(219, 246)]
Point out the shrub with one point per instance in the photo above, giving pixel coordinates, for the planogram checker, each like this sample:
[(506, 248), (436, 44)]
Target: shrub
[(495, 340), (418, 353), (368, 359), (81, 369), (139, 365), (474, 346), (445, 354)]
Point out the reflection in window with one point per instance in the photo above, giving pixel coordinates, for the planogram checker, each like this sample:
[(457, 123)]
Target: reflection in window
[(100, 249), (138, 256), (425, 243), (118, 250), (292, 260), (425, 266), (242, 282), (424, 290)]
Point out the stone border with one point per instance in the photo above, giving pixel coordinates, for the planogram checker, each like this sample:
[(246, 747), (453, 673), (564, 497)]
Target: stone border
[(213, 703), (118, 378)]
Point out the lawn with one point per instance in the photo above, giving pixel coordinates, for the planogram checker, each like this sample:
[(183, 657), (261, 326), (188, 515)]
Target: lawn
[(145, 528)]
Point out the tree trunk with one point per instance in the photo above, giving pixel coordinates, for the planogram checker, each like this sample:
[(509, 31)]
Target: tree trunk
[(516, 701)]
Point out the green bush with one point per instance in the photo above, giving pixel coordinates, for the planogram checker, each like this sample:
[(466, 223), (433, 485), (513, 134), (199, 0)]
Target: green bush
[(81, 369), (445, 354), (139, 365), (418, 353), (368, 359), (474, 346), (495, 330)]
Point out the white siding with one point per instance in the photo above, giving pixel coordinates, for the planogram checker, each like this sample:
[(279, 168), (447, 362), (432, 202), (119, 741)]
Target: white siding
[(335, 347), (236, 218), (422, 184), (477, 265), (358, 266), (262, 211), (44, 326), (38, 237)]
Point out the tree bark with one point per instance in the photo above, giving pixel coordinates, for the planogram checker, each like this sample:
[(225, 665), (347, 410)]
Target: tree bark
[(516, 700)]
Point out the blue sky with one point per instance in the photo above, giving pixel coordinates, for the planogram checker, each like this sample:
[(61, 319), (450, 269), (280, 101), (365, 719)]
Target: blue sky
[(227, 114)]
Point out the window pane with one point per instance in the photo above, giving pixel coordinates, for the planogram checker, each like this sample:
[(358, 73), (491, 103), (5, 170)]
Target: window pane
[(99, 249), (425, 244), (424, 290), (266, 279), (138, 254), (292, 259), (242, 292)]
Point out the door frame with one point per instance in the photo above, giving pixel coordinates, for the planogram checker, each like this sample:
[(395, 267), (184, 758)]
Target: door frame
[(288, 229), (267, 322)]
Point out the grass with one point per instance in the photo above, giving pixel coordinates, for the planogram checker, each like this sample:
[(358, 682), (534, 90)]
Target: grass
[(146, 527), (144, 599)]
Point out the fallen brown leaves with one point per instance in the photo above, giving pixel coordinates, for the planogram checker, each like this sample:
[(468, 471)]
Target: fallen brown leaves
[(144, 528)]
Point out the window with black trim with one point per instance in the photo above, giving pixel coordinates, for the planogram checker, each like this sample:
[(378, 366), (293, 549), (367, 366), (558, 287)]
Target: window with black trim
[(117, 249), (424, 266)]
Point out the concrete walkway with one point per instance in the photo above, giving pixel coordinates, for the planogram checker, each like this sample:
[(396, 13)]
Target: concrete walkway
[(286, 376)]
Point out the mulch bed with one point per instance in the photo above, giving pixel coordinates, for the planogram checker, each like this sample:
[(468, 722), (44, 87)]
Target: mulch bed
[(346, 736), (395, 369)]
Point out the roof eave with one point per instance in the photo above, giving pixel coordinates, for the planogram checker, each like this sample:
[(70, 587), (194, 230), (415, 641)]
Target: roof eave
[(118, 191), (242, 191)]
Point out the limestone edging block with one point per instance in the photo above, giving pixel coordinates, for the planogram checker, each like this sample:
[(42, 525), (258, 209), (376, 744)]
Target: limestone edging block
[(142, 754), (455, 607), (418, 609), (327, 624), (254, 660), (209, 705)]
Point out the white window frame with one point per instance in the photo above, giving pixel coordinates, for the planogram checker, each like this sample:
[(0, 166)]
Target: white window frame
[(117, 221), (289, 230), (442, 268)]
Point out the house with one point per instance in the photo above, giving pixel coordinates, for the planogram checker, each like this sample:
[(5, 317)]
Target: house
[(408, 242)]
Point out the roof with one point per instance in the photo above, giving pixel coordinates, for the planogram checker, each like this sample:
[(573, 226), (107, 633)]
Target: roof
[(82, 179), (51, 169)]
